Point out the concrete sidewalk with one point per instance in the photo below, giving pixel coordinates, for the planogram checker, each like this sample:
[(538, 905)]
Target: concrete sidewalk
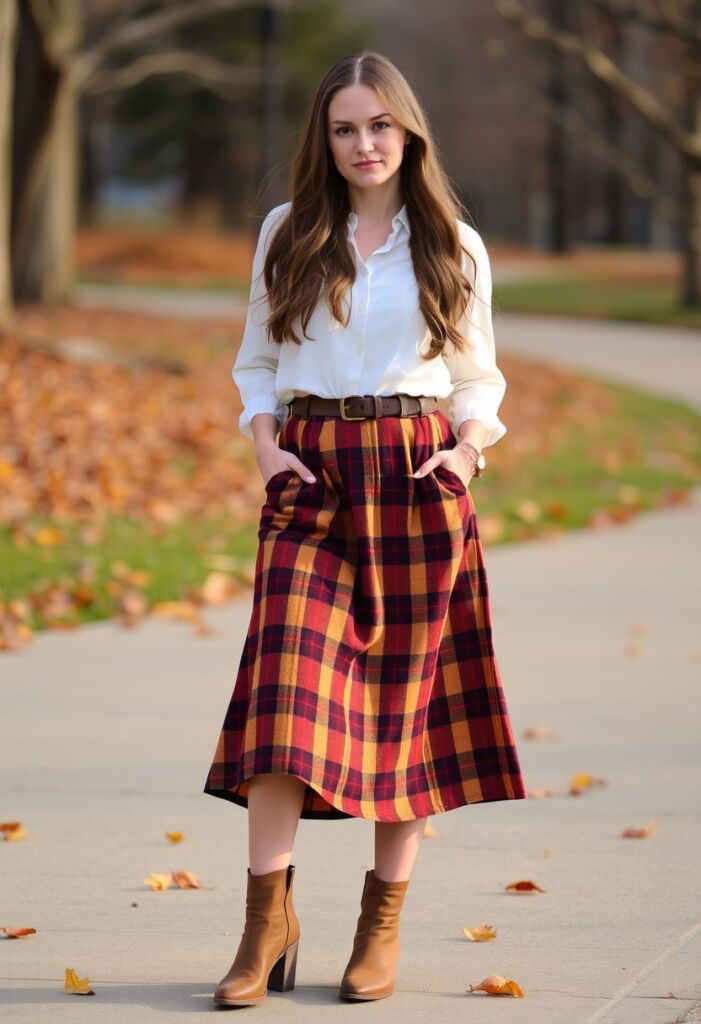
[(107, 739), (665, 361)]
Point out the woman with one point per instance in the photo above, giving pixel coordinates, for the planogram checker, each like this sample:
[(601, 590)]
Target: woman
[(368, 685)]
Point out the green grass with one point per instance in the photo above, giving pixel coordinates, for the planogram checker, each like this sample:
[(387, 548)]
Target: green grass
[(646, 302), (212, 284), (658, 444), (657, 440), (177, 557)]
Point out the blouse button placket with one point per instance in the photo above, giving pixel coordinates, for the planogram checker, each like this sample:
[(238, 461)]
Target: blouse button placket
[(364, 284)]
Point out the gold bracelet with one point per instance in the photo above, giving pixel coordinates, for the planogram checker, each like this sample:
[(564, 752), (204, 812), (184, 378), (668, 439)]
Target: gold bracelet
[(469, 450)]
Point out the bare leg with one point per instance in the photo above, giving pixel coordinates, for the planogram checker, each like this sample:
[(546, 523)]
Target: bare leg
[(274, 806), (396, 846)]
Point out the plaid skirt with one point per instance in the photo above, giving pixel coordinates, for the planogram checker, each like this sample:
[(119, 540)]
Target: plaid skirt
[(368, 669)]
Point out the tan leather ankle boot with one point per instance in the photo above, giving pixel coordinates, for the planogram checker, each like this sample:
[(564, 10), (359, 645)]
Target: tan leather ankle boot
[(267, 955), (370, 973)]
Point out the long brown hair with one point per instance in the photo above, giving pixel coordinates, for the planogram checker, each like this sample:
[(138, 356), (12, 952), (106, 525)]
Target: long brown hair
[(308, 256)]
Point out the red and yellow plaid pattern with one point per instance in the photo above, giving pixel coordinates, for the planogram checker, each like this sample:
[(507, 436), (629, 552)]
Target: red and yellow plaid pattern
[(368, 669)]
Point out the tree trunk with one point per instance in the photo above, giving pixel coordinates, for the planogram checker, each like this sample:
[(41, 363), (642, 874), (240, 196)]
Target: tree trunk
[(557, 164), (45, 195), (691, 185), (8, 27), (614, 187)]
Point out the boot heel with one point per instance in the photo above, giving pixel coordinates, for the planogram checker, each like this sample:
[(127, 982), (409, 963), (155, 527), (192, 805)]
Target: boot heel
[(282, 975)]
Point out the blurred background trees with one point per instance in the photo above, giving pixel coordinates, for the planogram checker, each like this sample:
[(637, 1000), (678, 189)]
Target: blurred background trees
[(563, 122)]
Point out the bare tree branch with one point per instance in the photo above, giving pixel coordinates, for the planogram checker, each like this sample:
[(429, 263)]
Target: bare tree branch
[(95, 21), (604, 70), (223, 79), (144, 28), (663, 21), (574, 122)]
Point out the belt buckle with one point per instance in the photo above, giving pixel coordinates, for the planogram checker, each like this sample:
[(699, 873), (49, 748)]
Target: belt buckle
[(342, 405)]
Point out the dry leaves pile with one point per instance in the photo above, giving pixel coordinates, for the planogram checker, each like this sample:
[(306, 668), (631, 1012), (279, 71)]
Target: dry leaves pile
[(78, 441), (83, 440), (58, 604), (180, 256)]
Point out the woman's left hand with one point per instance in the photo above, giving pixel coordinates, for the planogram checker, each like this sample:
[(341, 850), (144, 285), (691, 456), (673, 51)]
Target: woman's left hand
[(455, 459)]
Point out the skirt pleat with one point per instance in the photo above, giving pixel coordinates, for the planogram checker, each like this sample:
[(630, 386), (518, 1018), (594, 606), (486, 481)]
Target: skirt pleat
[(368, 669)]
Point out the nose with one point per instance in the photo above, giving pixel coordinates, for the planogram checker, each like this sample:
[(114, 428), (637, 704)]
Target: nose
[(365, 143)]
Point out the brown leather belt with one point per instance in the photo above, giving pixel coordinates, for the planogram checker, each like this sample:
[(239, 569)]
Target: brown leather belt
[(360, 407)]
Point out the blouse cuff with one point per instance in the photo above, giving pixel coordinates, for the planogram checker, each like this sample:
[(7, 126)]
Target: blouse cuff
[(265, 403), (478, 411)]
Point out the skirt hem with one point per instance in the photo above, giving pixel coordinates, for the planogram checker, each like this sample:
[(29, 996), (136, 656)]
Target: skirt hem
[(337, 813)]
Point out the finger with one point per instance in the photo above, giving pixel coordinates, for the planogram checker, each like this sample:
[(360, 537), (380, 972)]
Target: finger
[(305, 473), (427, 466)]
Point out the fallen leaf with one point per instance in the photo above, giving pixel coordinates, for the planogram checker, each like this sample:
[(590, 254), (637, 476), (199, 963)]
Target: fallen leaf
[(583, 780), (186, 611), (17, 933), (132, 607), (158, 882), (12, 830), (219, 588), (538, 732), (641, 832), (48, 537), (175, 837), (185, 880), (15, 632), (498, 985), (135, 577), (524, 885), (529, 510), (480, 933), (77, 986)]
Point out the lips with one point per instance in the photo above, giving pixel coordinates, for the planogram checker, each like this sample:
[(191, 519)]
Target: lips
[(367, 163)]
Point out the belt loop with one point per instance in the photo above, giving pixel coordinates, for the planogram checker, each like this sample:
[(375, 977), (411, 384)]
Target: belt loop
[(403, 404), (377, 401)]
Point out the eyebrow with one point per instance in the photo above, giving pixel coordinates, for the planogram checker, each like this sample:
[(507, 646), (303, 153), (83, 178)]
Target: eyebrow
[(385, 113)]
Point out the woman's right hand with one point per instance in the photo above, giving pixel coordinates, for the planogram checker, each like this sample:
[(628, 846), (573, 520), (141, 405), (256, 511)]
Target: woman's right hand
[(272, 459)]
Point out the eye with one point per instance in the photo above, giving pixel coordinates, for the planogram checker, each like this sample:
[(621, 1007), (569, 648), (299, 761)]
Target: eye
[(344, 126)]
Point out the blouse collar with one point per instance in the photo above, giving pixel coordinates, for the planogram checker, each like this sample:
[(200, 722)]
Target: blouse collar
[(399, 218)]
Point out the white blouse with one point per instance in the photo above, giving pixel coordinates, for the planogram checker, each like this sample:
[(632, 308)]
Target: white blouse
[(378, 352)]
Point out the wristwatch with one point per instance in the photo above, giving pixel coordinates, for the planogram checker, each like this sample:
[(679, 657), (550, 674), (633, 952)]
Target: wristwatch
[(478, 459)]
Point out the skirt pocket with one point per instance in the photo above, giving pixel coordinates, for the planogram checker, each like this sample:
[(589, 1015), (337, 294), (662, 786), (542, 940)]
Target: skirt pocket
[(279, 477), (448, 478)]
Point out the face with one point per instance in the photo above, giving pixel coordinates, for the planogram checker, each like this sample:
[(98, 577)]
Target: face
[(366, 141)]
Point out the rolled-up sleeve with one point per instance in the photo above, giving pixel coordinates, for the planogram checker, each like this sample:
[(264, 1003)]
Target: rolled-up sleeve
[(478, 383), (255, 369)]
